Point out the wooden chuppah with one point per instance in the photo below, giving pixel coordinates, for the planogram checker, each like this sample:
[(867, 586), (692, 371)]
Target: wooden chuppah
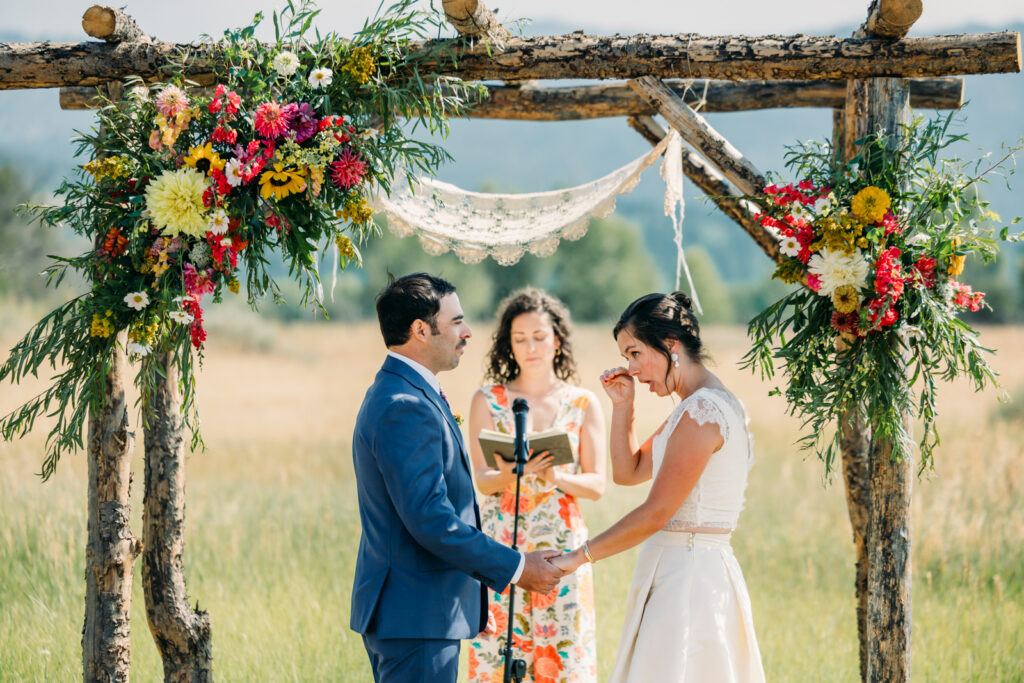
[(863, 78)]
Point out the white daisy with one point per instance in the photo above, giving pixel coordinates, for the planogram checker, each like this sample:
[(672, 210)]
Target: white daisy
[(140, 350), (823, 205), (233, 172), (789, 246), (137, 300), (180, 317), (286, 63), (836, 269), (219, 222), (320, 78)]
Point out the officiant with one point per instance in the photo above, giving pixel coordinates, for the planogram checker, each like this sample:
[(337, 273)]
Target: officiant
[(531, 358)]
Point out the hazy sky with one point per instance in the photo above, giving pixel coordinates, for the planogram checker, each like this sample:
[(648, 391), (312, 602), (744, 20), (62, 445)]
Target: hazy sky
[(184, 20)]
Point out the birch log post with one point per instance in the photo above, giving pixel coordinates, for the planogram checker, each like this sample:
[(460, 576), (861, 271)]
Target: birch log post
[(698, 132), (716, 187), (473, 20), (735, 58), (182, 634), (111, 548), (892, 18)]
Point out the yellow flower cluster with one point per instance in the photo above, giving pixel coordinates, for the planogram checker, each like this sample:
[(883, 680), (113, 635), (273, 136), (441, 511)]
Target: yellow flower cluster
[(840, 234), (790, 271), (142, 333), (356, 211), (870, 204), (233, 285), (101, 325), (346, 249), (168, 131), (110, 167), (360, 65), (956, 263)]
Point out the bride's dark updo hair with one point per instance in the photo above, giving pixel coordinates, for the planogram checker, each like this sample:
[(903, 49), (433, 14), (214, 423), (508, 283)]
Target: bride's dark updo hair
[(656, 319)]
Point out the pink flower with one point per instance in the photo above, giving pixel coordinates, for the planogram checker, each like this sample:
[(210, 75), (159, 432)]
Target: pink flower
[(270, 120), (171, 101), (814, 282), (348, 170)]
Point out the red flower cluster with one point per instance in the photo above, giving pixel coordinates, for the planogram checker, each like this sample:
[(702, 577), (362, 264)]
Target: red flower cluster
[(965, 297), (195, 328), (227, 102), (114, 244), (804, 192), (923, 272)]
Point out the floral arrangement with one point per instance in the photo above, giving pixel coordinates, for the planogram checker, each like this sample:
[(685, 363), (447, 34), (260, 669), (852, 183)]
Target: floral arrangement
[(189, 192), (878, 244)]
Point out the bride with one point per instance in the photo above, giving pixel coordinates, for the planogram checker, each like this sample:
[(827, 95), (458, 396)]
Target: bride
[(688, 617)]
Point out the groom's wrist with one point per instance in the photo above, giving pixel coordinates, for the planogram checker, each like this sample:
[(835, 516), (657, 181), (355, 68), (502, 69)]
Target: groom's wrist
[(519, 569)]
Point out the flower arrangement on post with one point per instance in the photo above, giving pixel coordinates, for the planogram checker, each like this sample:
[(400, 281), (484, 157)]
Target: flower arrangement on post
[(187, 193), (878, 244)]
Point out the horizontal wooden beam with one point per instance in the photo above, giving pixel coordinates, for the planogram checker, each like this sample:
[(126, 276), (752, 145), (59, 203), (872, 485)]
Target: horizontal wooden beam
[(535, 103), (52, 65), (716, 187)]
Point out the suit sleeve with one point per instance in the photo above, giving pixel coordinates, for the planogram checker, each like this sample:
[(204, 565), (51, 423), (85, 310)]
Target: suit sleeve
[(408, 445)]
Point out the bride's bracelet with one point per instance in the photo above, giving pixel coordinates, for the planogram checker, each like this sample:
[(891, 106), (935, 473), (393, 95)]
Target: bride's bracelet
[(586, 551)]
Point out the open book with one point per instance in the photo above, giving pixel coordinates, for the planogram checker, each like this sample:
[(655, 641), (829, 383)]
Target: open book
[(554, 440)]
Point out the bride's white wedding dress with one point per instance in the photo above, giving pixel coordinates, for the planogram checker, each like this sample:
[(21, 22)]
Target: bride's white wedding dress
[(688, 617)]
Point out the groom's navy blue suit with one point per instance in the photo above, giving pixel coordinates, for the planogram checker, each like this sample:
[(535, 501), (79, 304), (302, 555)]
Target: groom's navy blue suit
[(423, 562)]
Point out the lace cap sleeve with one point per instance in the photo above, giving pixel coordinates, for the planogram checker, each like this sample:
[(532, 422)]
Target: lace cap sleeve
[(702, 409)]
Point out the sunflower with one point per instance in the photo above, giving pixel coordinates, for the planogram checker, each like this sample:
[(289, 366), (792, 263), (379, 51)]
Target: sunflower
[(203, 158), (282, 182), (870, 204)]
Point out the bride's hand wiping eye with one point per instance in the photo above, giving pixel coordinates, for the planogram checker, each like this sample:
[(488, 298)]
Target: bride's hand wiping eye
[(619, 385)]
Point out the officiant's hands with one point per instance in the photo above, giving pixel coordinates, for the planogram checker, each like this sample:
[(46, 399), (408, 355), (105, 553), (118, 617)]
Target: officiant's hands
[(539, 574), (619, 385), (537, 464)]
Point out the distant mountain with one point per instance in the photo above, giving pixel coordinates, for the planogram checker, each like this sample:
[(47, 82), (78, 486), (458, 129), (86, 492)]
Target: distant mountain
[(530, 156)]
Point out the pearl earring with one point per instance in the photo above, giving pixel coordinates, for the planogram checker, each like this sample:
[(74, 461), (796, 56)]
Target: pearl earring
[(675, 359)]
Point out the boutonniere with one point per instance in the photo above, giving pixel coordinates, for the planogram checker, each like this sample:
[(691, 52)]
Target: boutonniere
[(458, 418)]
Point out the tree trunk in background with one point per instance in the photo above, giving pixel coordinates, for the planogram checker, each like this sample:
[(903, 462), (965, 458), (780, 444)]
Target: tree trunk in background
[(182, 634), (111, 548)]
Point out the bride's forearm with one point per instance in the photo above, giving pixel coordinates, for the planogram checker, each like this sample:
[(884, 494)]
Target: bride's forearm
[(623, 444), (633, 529)]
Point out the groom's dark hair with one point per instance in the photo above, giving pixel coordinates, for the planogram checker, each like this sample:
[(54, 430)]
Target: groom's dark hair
[(407, 299)]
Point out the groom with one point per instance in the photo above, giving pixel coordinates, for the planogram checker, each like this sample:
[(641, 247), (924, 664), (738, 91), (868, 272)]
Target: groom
[(423, 561)]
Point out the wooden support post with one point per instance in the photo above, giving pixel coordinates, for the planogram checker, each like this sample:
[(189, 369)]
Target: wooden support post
[(716, 187), (182, 634), (112, 25), (698, 132), (735, 58), (473, 20), (111, 548)]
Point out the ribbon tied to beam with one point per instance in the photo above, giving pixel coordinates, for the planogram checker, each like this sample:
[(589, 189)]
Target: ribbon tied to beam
[(475, 225)]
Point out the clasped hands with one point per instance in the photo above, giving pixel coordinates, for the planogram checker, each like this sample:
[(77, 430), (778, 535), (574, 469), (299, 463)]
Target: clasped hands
[(545, 568)]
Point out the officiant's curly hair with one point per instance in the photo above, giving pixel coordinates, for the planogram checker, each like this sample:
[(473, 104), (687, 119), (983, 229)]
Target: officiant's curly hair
[(501, 366)]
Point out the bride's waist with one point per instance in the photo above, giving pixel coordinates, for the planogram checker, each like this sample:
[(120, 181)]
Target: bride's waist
[(665, 537)]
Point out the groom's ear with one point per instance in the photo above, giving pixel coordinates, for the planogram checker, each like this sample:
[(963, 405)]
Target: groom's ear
[(419, 330)]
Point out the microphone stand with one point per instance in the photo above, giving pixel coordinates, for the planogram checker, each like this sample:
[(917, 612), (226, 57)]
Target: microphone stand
[(515, 669)]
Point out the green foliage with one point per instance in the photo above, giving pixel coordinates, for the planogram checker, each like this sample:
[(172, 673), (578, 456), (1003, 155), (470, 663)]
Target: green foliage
[(180, 191), (880, 350)]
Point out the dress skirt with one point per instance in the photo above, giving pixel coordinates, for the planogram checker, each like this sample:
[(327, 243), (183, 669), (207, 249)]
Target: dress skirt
[(688, 618)]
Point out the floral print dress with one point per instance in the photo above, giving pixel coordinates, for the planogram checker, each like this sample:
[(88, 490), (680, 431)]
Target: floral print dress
[(555, 633)]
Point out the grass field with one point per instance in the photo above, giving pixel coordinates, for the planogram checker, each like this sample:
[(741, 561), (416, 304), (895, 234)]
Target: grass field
[(272, 523)]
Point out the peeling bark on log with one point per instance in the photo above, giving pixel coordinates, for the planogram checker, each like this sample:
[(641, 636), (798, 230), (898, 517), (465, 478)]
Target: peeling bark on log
[(51, 65), (111, 548), (111, 25), (716, 187), (182, 634), (892, 18), (533, 103), (698, 132), (472, 19)]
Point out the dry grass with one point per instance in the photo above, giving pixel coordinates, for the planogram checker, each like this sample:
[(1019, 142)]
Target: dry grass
[(272, 525)]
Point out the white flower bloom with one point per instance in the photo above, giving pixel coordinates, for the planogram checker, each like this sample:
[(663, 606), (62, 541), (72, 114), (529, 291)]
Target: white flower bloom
[(836, 269), (141, 92), (919, 238), (286, 63), (320, 78), (219, 222), (233, 172), (180, 317), (369, 134), (800, 211), (823, 206), (789, 246), (141, 350), (137, 300)]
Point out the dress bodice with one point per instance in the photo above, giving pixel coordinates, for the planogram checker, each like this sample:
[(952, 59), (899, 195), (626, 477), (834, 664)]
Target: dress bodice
[(717, 499)]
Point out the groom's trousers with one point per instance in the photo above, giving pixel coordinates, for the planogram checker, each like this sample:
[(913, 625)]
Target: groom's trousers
[(412, 660)]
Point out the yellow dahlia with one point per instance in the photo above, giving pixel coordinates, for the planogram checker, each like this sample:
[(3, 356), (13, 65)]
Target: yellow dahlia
[(846, 299), (203, 158), (175, 202), (282, 182), (870, 204)]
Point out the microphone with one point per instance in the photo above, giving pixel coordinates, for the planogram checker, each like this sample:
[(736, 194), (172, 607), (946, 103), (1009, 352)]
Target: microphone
[(522, 447)]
